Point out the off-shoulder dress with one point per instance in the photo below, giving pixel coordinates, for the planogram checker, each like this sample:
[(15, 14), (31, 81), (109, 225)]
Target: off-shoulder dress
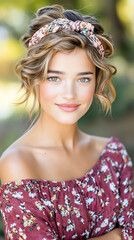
[(82, 208)]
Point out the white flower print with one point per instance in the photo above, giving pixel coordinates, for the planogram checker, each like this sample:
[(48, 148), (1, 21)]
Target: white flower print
[(32, 195), (86, 233), (112, 187), (77, 199), (22, 234), (8, 208), (91, 171), (96, 230), (10, 235), (89, 201), (74, 192), (107, 201), (111, 226), (66, 199), (53, 197), (38, 228), (63, 211), (100, 192), (104, 168), (18, 182), (125, 182), (14, 230), (113, 145), (108, 178), (28, 222), (7, 191), (124, 154), (114, 217), (71, 226), (17, 195), (102, 203), (129, 163), (117, 174), (48, 203), (76, 211), (128, 189), (13, 225), (90, 188), (115, 164), (125, 203), (22, 207), (105, 222), (75, 235), (39, 205), (121, 220), (82, 220), (93, 215)]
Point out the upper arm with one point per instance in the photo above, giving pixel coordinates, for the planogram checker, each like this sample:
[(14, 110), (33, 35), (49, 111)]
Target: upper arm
[(19, 211), (12, 166)]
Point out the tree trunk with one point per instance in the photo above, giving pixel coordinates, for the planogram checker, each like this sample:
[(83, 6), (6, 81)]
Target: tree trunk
[(116, 25)]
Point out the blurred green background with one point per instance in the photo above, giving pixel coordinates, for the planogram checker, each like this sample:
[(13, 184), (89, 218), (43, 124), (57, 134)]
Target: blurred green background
[(117, 18)]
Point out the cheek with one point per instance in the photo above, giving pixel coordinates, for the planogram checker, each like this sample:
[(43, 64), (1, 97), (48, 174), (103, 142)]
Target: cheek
[(87, 93), (46, 93)]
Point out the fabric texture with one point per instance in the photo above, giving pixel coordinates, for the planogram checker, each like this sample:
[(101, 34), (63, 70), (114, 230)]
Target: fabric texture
[(86, 207), (58, 24)]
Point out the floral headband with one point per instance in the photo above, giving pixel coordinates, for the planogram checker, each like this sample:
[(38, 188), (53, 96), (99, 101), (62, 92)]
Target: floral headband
[(84, 28)]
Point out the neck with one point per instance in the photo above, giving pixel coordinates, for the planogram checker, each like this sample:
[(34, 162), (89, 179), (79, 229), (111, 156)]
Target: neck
[(52, 133)]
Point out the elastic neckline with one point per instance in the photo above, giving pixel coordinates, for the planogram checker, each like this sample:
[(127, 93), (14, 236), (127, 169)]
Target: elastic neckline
[(66, 182)]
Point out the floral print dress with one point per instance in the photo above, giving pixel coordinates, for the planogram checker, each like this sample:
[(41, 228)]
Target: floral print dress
[(81, 208)]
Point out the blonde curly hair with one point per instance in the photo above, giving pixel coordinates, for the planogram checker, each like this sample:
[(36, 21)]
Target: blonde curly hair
[(33, 68)]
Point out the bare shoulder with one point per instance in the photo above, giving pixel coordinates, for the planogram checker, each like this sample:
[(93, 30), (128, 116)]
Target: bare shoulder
[(98, 142), (102, 140), (13, 165)]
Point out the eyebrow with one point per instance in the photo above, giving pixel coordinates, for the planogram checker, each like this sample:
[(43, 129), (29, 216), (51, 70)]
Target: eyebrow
[(63, 73)]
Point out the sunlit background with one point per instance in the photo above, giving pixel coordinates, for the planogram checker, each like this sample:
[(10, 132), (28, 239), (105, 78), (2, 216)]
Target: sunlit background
[(117, 18)]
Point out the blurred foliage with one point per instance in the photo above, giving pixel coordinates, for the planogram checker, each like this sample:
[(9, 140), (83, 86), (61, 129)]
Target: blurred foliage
[(1, 227)]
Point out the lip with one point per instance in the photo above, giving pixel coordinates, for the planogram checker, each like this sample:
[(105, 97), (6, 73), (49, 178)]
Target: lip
[(68, 107)]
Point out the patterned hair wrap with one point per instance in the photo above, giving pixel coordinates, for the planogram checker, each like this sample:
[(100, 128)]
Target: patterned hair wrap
[(84, 28)]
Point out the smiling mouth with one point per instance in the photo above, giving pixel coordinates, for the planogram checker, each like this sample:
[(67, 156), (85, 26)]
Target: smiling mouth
[(68, 107)]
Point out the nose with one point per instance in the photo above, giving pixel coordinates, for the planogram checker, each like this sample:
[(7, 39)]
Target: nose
[(69, 90)]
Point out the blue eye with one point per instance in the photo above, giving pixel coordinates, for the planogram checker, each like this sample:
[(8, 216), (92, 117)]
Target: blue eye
[(52, 79), (84, 80)]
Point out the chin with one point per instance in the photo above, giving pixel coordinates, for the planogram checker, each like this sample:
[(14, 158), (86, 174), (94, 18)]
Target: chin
[(68, 120)]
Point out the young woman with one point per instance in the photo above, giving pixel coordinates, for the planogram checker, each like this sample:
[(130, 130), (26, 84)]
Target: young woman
[(57, 181)]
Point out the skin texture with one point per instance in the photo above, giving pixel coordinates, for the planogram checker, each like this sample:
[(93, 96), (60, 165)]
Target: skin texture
[(67, 88), (55, 139), (56, 134), (113, 235)]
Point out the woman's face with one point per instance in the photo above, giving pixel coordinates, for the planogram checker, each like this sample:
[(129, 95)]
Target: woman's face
[(70, 80)]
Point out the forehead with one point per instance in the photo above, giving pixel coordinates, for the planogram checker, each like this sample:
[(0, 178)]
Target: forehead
[(75, 59)]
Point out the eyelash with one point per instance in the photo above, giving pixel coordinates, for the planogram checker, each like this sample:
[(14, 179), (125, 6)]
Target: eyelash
[(89, 79)]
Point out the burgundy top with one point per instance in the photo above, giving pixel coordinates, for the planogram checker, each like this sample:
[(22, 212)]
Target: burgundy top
[(81, 208)]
